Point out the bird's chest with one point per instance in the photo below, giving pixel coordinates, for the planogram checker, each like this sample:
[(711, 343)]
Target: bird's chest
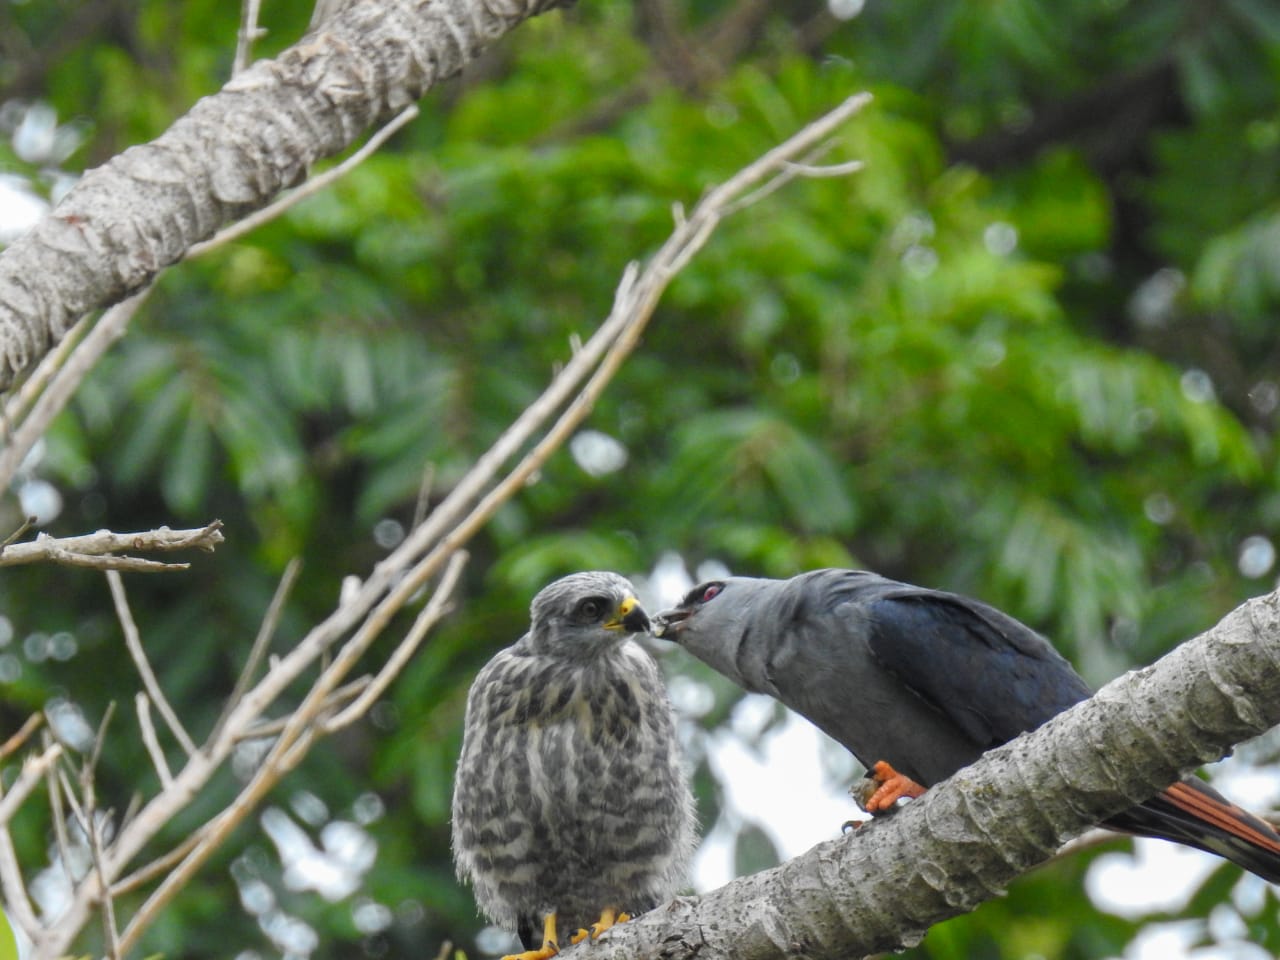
[(593, 748)]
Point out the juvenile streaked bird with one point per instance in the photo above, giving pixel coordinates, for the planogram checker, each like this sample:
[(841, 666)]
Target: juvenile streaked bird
[(571, 805), (918, 683)]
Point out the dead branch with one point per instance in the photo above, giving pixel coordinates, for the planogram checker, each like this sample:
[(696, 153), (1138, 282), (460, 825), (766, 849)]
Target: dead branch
[(15, 742), (62, 375), (248, 33), (133, 641), (260, 643), (101, 550)]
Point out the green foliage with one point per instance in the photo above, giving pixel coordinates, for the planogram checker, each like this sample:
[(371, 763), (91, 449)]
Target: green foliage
[(1024, 354)]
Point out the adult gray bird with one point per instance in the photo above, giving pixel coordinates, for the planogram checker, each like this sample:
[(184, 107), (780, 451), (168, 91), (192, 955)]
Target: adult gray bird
[(917, 683), (571, 803)]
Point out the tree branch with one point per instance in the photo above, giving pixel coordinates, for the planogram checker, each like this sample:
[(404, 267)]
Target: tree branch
[(312, 186), (99, 549), (61, 372), (881, 887), (234, 151), (15, 742), (247, 35), (133, 641)]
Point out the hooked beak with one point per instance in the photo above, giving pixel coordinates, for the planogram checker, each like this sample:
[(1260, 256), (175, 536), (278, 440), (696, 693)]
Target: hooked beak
[(629, 617), (669, 623)]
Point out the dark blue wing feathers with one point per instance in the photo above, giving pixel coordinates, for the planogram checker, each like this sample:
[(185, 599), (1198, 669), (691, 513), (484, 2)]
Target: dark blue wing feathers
[(993, 676)]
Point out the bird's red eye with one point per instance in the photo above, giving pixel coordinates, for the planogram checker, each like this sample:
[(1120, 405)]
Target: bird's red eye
[(712, 592)]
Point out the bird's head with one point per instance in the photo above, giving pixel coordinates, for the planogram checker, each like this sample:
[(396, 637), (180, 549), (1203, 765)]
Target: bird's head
[(677, 622), (712, 621), (585, 613)]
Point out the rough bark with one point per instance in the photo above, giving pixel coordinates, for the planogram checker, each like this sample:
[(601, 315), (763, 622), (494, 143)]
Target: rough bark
[(233, 152), (881, 887)]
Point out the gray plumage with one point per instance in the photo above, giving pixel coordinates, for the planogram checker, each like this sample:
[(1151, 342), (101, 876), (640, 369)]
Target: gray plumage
[(926, 681), (850, 651), (570, 794)]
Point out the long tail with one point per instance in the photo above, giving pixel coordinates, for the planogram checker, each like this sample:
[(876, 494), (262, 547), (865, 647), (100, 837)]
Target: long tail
[(1193, 813)]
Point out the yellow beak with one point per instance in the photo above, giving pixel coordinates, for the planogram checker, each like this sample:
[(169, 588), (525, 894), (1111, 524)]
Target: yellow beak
[(630, 616)]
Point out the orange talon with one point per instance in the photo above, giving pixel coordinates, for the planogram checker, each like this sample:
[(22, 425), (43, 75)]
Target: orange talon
[(892, 787)]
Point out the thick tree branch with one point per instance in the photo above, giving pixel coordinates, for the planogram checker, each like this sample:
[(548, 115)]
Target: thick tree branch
[(883, 886), (62, 370), (233, 152)]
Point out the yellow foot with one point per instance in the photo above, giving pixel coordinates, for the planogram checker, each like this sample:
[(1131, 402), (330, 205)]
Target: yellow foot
[(549, 946), (609, 917), (545, 952)]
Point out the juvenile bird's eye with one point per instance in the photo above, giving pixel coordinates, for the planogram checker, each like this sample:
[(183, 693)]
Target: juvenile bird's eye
[(711, 592), (592, 608)]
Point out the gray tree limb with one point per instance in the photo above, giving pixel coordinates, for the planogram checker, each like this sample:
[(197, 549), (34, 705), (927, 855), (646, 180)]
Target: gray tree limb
[(101, 550), (233, 152), (881, 887)]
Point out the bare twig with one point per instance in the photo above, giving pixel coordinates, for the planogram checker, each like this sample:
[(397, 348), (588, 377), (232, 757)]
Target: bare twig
[(93, 834), (317, 183), (814, 172), (248, 33), (15, 891), (260, 643), (99, 549), (15, 742), (33, 771), (109, 328), (58, 814), (428, 618), (337, 700), (23, 527), (111, 932), (106, 562), (16, 406), (133, 641), (130, 811), (69, 794), (152, 743), (778, 171), (99, 740), (157, 866), (423, 503), (17, 901)]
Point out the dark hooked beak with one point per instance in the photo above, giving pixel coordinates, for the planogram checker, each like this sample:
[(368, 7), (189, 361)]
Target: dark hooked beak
[(668, 624), (630, 617)]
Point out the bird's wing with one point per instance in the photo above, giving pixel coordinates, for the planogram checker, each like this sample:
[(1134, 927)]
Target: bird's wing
[(991, 675)]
